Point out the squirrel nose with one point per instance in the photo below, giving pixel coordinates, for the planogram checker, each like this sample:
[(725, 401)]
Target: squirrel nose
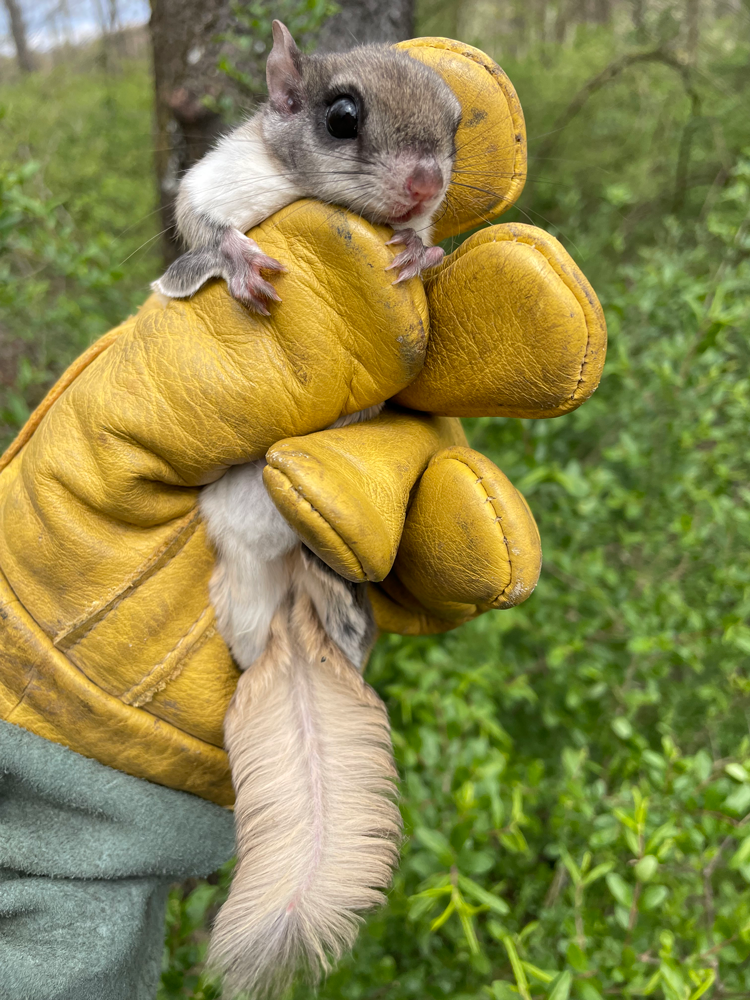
[(424, 182)]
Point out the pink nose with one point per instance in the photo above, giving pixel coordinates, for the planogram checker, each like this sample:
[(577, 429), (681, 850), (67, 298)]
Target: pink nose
[(424, 182)]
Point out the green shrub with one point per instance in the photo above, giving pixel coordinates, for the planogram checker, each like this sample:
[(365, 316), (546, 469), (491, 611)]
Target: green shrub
[(76, 220)]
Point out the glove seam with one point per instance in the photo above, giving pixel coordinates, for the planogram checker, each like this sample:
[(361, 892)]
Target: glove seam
[(498, 517), (172, 665), (572, 286), (427, 622), (69, 637), (303, 499), (497, 74)]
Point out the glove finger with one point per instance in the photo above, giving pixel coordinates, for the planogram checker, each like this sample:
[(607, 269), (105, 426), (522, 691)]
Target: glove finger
[(490, 169), (470, 544), (346, 491), (537, 347)]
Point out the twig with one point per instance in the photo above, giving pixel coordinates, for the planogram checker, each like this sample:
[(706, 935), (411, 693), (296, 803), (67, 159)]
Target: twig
[(615, 68), (556, 886)]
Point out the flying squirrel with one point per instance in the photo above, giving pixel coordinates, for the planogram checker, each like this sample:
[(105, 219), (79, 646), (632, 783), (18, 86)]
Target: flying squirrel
[(309, 746)]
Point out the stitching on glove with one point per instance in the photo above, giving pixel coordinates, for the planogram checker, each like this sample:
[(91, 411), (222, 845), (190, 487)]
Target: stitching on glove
[(327, 523), (203, 629), (79, 629), (427, 622), (575, 287), (497, 74), (498, 517)]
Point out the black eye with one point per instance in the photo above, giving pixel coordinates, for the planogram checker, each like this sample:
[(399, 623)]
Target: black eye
[(342, 118)]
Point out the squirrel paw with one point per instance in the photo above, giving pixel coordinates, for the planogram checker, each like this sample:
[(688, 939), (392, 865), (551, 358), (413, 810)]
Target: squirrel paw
[(235, 258), (244, 262), (415, 257)]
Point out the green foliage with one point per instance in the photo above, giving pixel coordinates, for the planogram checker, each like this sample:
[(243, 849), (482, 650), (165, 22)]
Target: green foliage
[(576, 771), (251, 39), (190, 911), (76, 200)]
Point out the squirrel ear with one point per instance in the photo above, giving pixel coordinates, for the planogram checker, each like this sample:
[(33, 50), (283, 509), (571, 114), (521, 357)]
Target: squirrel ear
[(282, 72)]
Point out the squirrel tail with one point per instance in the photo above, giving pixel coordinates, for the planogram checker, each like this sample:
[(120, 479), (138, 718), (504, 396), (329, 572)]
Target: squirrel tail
[(318, 828)]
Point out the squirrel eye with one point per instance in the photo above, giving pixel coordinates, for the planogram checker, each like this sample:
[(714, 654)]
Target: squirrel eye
[(342, 118)]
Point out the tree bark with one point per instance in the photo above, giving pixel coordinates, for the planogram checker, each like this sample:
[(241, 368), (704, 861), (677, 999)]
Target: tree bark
[(186, 77), (18, 30), (639, 20), (361, 21)]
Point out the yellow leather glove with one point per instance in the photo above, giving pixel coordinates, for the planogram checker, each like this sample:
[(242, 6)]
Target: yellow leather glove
[(108, 641)]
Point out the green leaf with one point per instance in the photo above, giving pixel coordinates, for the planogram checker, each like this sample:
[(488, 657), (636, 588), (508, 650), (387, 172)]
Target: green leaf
[(709, 978), (620, 889), (501, 990), (741, 856), (468, 928), (576, 957), (517, 966), (633, 842), (587, 991), (538, 974), (198, 902), (738, 801), (561, 987), (572, 867), (497, 930), (435, 842), (421, 905), (626, 820), (599, 871), (653, 982), (673, 982), (653, 896), (438, 922), (622, 727), (481, 895), (646, 868), (738, 772)]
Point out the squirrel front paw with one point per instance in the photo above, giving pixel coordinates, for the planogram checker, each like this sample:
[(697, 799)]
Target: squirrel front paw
[(235, 258), (415, 257), (244, 262)]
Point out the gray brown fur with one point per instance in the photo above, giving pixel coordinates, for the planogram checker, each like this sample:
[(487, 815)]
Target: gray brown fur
[(343, 607), (407, 108)]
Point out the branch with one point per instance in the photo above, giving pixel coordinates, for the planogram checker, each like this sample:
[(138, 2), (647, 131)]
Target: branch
[(611, 72)]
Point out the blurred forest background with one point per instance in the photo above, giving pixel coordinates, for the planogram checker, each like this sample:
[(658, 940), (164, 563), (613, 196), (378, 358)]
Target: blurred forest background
[(576, 772)]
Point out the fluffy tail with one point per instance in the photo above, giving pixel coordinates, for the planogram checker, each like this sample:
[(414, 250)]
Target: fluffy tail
[(317, 825)]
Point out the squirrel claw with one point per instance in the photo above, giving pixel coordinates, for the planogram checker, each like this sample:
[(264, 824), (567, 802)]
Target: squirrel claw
[(414, 258), (245, 261), (253, 291)]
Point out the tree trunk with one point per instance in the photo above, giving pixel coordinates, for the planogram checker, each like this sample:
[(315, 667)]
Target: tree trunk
[(18, 30), (639, 20), (361, 21), (562, 20), (602, 12), (186, 78)]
